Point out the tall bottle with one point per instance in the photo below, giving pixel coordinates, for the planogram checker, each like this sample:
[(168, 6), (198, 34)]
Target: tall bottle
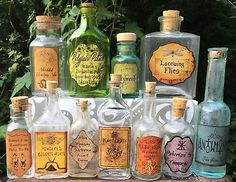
[(147, 139), (178, 145), (213, 120), (83, 147), (50, 139), (127, 64), (88, 62), (114, 118), (47, 54), (171, 57), (18, 139)]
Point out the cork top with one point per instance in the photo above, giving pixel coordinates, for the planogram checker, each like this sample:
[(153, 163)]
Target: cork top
[(115, 80), (126, 37), (170, 13), (178, 107), (170, 21), (83, 105), (217, 53), (20, 103), (47, 22), (51, 86), (87, 4)]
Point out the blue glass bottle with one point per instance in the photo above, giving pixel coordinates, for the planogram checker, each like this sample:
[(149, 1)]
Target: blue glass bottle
[(213, 120)]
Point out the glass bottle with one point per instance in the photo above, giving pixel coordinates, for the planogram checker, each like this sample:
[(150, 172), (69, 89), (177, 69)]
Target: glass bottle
[(213, 120), (18, 139), (47, 55), (127, 64), (114, 118), (83, 147), (50, 139), (170, 57), (178, 145), (147, 139), (88, 62)]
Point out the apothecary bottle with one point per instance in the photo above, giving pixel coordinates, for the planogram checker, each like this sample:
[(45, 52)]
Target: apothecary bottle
[(18, 139), (170, 57), (88, 61), (147, 138), (47, 55), (212, 127), (127, 64), (114, 119), (178, 147), (83, 144), (50, 139)]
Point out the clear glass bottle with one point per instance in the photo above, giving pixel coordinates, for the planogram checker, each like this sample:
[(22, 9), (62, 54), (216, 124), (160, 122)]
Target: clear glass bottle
[(18, 139), (178, 147), (147, 138), (88, 61), (50, 139), (170, 57), (127, 64), (114, 119), (83, 147), (47, 55), (213, 120)]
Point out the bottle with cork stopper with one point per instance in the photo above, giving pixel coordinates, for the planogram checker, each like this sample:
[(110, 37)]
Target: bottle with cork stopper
[(18, 139), (83, 144), (178, 147), (170, 57), (47, 54), (115, 120), (50, 139), (127, 64), (147, 138)]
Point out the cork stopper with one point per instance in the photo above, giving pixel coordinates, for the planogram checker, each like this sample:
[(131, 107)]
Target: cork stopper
[(48, 22), (170, 13), (115, 80), (170, 21), (126, 37), (83, 105), (178, 107), (217, 53), (150, 87), (51, 86), (20, 103), (87, 4)]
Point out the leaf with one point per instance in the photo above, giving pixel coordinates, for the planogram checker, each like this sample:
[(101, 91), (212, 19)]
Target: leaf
[(24, 81), (3, 129), (74, 11), (133, 27)]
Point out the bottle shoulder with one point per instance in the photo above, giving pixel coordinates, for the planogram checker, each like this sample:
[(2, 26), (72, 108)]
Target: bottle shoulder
[(46, 42), (125, 58), (178, 127), (213, 106), (171, 34)]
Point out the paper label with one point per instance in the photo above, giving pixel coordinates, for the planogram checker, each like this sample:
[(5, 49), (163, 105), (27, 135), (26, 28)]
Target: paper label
[(45, 66), (87, 65), (50, 152), (18, 150), (148, 159), (114, 147), (82, 149), (172, 64), (128, 73), (179, 154)]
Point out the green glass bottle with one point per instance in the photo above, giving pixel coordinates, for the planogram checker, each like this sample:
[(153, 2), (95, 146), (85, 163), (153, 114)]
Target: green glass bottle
[(88, 61)]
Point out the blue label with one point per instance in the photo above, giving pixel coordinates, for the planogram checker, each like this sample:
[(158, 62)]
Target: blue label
[(211, 146)]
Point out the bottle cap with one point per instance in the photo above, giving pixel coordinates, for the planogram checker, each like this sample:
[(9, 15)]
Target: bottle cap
[(178, 106), (87, 4), (170, 20), (115, 80), (47, 22), (170, 13), (126, 37), (83, 104), (20, 103), (51, 86), (216, 53)]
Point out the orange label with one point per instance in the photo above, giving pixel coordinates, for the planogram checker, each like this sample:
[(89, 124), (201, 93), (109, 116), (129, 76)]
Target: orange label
[(172, 64), (45, 66), (18, 150), (148, 159), (114, 147), (50, 152)]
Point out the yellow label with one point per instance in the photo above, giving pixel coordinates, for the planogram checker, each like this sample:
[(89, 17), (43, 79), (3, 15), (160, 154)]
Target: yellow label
[(114, 147), (172, 64), (87, 66), (45, 66), (18, 149), (50, 152), (129, 76)]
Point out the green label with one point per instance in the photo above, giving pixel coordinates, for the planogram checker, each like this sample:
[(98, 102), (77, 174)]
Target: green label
[(87, 65)]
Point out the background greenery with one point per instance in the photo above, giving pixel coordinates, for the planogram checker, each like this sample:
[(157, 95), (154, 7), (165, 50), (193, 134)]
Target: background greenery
[(213, 20)]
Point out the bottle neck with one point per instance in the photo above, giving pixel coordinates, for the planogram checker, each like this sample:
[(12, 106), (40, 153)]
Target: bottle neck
[(88, 17), (83, 115), (170, 24), (48, 33), (126, 47), (22, 117), (52, 102), (115, 93), (215, 79), (149, 105), (178, 114)]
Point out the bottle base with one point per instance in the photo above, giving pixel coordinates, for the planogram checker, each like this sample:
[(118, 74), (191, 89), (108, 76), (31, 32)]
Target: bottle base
[(83, 175), (114, 174), (208, 174), (145, 177), (51, 176)]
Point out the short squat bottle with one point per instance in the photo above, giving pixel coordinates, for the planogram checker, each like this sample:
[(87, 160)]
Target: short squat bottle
[(213, 120), (147, 139), (83, 144), (50, 139), (178, 147), (47, 55), (114, 118), (18, 140), (170, 57), (127, 64)]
